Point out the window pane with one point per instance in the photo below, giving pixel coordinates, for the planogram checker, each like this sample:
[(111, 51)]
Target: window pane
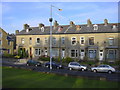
[(111, 41), (30, 41), (72, 53), (63, 40), (38, 40), (73, 41), (92, 54), (91, 41)]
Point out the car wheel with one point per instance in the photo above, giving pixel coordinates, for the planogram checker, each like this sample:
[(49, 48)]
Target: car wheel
[(47, 66), (70, 68), (58, 68), (36, 65), (94, 70), (82, 69), (109, 71)]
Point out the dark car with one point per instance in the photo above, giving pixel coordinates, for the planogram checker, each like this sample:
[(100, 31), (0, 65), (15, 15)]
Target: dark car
[(54, 65), (33, 63)]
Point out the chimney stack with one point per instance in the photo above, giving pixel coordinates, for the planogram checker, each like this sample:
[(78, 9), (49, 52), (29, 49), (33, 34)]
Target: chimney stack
[(17, 32), (26, 26), (78, 27), (72, 23), (89, 23), (105, 22), (41, 25), (55, 24)]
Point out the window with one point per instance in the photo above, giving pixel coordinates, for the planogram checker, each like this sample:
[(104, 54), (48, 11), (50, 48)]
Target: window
[(38, 41), (0, 42), (46, 40), (91, 41), (74, 53), (0, 34), (111, 41), (30, 40), (8, 51), (82, 40), (37, 52), (63, 40), (42, 29), (0, 52), (8, 42), (92, 54), (111, 54), (22, 41), (95, 27), (55, 52), (74, 41), (54, 41)]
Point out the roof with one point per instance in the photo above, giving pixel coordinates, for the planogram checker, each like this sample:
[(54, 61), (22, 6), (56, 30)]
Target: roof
[(67, 29)]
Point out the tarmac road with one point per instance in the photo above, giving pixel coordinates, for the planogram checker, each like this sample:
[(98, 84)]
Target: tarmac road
[(66, 72)]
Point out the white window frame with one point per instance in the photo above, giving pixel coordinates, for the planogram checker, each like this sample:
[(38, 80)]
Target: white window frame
[(111, 38), (75, 53), (37, 42), (22, 40), (82, 39), (94, 50), (0, 34), (42, 29), (46, 40), (95, 27), (54, 40), (1, 42), (30, 40), (38, 51), (62, 40), (72, 40)]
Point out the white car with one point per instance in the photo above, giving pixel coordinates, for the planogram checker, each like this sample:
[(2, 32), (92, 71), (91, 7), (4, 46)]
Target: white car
[(76, 65), (103, 68)]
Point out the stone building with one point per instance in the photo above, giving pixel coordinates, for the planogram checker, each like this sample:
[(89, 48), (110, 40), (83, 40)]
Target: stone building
[(6, 43), (81, 42)]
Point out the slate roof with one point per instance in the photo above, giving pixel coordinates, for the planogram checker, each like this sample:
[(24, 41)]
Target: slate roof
[(72, 30)]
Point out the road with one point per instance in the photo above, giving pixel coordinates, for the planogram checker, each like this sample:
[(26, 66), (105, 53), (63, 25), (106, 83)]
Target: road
[(66, 72)]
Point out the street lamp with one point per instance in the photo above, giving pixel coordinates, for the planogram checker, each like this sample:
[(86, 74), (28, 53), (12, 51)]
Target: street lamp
[(50, 20)]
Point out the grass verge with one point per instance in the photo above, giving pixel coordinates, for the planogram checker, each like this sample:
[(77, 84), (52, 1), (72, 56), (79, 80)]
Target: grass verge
[(19, 78)]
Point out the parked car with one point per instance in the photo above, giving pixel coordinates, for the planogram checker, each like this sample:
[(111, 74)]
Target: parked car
[(76, 65), (54, 65), (103, 68), (33, 63)]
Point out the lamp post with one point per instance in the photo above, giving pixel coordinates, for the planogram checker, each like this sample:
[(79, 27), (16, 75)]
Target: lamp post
[(50, 20)]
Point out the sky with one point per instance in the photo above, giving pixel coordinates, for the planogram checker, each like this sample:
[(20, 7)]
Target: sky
[(14, 14)]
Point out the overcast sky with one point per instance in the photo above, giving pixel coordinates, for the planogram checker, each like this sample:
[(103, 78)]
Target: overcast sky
[(15, 14)]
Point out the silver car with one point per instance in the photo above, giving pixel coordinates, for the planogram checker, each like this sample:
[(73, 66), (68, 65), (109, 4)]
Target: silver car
[(76, 65), (103, 68)]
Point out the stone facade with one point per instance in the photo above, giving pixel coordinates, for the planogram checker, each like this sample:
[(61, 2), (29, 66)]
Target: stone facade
[(81, 42), (6, 43)]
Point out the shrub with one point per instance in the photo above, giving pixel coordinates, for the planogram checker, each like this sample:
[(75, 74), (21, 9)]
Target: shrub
[(67, 60), (8, 55), (17, 57), (44, 58)]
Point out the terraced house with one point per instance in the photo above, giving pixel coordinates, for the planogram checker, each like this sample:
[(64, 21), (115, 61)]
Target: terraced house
[(6, 43), (81, 42)]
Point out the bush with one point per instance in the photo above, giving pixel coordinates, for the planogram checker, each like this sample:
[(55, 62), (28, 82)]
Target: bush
[(44, 58), (17, 57), (67, 60), (8, 55)]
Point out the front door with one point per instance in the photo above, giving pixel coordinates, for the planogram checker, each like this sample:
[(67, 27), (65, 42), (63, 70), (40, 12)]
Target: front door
[(63, 53), (82, 54), (101, 55)]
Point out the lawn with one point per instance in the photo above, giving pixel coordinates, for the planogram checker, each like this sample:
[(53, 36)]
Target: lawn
[(19, 78)]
